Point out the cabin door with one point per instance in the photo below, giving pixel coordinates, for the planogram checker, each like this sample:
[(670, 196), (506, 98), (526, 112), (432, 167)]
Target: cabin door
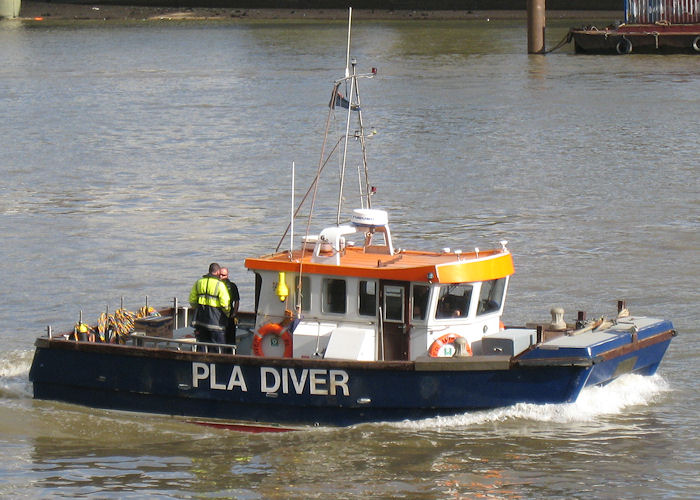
[(394, 334)]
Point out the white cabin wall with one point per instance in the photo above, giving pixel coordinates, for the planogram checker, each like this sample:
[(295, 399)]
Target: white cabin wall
[(270, 307), (471, 327), (313, 333)]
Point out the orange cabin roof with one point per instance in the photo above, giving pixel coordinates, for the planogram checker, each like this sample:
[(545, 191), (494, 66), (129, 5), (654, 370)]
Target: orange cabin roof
[(405, 265)]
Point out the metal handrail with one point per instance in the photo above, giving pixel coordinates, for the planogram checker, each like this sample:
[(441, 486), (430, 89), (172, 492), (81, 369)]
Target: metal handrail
[(192, 345)]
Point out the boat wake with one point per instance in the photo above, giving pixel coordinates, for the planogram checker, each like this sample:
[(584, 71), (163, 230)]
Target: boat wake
[(14, 373), (592, 404)]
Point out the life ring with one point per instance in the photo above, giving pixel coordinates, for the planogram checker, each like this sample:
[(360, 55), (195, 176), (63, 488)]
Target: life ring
[(440, 342), (624, 46), (276, 330), (696, 44)]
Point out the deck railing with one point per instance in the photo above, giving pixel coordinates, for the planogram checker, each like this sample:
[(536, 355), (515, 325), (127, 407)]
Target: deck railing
[(189, 344)]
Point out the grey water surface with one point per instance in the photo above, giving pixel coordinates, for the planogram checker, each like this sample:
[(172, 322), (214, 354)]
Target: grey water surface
[(133, 154)]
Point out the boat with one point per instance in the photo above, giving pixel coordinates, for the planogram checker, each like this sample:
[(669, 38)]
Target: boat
[(348, 328), (650, 26)]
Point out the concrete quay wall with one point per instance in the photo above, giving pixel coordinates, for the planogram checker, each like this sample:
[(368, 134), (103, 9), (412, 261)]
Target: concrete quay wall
[(434, 5)]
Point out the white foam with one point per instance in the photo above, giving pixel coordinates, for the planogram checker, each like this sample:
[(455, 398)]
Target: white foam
[(14, 373), (592, 404)]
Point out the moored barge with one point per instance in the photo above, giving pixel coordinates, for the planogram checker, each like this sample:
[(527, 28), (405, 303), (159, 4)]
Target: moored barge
[(650, 26)]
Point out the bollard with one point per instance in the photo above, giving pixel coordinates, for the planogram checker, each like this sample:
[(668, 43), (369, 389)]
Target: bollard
[(535, 26), (461, 347), (581, 320), (558, 322)]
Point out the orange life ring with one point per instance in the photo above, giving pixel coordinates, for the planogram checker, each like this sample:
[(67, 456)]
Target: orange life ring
[(273, 329), (448, 338)]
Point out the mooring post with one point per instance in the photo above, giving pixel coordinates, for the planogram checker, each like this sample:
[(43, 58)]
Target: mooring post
[(535, 26)]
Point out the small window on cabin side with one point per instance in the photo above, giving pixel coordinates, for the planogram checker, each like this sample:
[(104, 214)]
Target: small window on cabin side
[(420, 301), (368, 298), (393, 303), (258, 288), (304, 293), (334, 294), (453, 301), (491, 296)]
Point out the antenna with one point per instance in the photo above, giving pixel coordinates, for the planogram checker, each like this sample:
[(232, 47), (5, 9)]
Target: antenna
[(347, 55), (350, 96), (291, 221)]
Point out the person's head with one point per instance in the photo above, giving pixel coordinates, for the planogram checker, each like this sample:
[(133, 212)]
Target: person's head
[(223, 273), (214, 269)]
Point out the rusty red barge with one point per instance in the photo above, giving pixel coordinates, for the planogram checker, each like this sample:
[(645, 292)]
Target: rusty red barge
[(650, 26)]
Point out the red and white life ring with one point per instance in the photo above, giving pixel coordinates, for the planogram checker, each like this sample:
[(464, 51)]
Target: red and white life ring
[(273, 329), (440, 342)]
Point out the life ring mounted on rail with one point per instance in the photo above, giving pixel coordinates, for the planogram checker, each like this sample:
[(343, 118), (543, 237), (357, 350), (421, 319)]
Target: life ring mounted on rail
[(442, 347), (277, 333)]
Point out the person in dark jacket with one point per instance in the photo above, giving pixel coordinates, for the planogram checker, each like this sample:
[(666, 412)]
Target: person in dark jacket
[(211, 302), (235, 300)]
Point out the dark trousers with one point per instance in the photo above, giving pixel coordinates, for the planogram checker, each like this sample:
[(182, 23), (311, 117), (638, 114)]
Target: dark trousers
[(231, 331), (202, 334), (210, 336)]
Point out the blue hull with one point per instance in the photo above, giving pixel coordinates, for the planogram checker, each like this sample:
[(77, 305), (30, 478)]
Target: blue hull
[(125, 382), (642, 362), (328, 392)]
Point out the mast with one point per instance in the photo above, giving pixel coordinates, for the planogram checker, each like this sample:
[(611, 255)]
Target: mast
[(351, 98), (367, 191), (347, 53), (352, 101)]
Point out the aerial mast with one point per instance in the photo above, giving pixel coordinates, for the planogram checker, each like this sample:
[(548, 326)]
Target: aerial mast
[(350, 97)]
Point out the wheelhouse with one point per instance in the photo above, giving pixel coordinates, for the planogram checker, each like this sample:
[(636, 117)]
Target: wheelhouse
[(370, 302)]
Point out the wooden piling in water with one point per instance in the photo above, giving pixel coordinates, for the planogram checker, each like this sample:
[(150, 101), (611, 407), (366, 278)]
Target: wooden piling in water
[(535, 26)]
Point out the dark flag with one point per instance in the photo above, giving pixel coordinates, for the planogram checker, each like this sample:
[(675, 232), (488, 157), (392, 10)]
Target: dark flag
[(342, 102)]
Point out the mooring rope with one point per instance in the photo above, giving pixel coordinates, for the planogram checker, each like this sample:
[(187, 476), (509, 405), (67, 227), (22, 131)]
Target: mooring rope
[(112, 328), (567, 39)]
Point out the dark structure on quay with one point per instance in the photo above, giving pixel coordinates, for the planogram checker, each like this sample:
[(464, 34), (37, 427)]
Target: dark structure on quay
[(461, 5)]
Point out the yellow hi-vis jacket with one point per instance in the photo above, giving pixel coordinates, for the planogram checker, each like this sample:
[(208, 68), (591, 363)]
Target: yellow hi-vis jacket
[(211, 302)]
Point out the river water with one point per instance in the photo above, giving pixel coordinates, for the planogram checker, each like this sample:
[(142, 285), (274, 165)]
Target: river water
[(133, 154)]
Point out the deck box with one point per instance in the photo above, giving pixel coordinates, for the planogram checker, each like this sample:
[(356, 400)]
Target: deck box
[(155, 326), (510, 342)]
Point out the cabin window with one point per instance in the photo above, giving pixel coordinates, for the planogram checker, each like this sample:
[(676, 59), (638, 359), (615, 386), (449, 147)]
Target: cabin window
[(304, 293), (368, 298), (258, 288), (421, 293), (491, 296), (393, 303), (334, 293), (453, 301)]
